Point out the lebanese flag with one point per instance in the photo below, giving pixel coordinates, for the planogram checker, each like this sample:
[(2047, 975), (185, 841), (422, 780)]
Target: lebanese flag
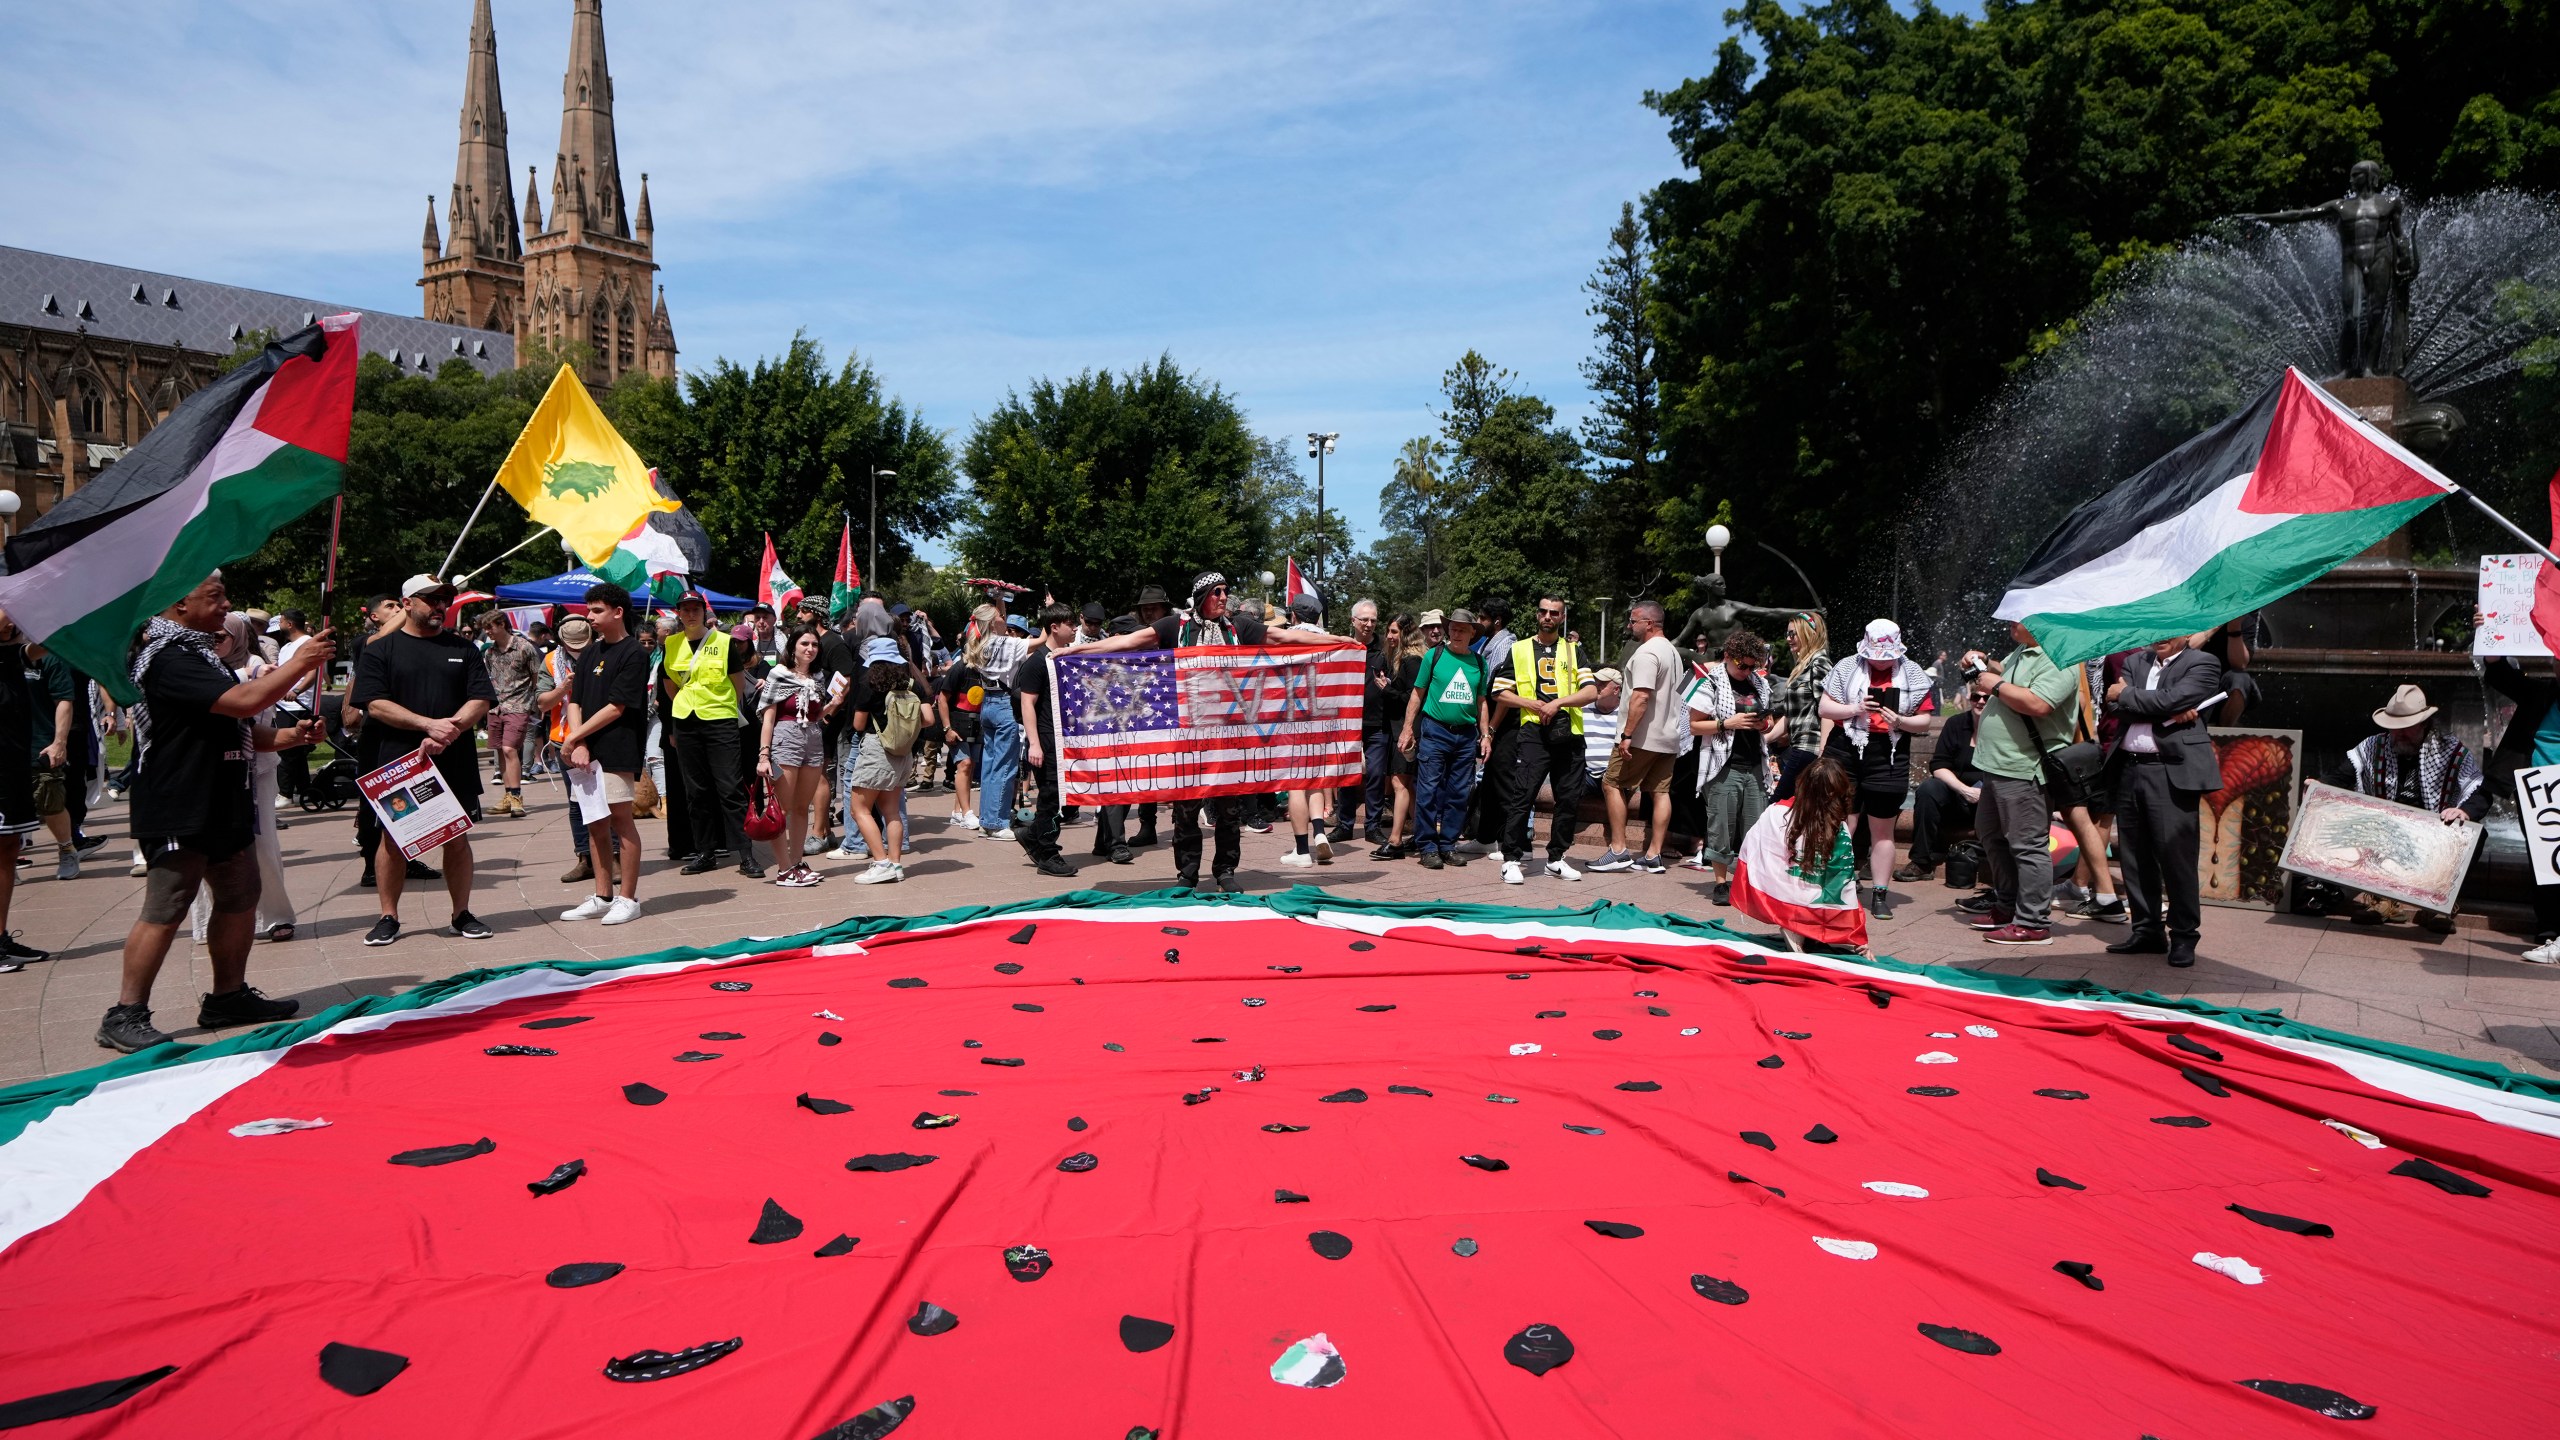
[(773, 587), (1298, 586), (2546, 583), (2247, 512), (234, 463), (1770, 888), (848, 587)]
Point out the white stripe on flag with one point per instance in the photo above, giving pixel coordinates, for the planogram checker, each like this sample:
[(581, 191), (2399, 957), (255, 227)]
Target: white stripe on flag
[(2151, 561)]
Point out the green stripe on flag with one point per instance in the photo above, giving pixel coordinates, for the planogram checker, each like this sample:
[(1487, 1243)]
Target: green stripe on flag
[(2256, 571)]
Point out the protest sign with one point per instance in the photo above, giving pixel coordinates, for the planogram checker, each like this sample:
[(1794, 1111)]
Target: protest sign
[(2538, 808), (417, 808), (2506, 606)]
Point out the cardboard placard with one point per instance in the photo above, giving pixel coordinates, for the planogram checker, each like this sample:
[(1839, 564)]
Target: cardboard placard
[(418, 810), (2506, 606), (2538, 809)]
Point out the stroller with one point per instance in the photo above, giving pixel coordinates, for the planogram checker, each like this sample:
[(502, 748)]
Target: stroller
[(333, 786)]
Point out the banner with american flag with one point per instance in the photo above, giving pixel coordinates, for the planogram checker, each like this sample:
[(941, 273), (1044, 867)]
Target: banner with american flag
[(1138, 725)]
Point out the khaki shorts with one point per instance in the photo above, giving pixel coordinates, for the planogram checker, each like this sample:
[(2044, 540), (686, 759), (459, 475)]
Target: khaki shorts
[(178, 869), (617, 788), (1636, 768)]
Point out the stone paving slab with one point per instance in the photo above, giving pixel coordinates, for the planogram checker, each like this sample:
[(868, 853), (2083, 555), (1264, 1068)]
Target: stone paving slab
[(2465, 994)]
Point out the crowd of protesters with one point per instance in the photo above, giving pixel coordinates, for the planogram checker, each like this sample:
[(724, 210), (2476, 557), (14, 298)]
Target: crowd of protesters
[(791, 746)]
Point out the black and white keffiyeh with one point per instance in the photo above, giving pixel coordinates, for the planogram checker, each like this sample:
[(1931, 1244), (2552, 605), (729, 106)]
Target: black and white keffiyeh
[(2447, 773), (159, 635), (1847, 685)]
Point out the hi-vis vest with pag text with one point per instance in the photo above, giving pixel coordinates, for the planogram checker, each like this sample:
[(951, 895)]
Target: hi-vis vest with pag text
[(1567, 679), (706, 692)]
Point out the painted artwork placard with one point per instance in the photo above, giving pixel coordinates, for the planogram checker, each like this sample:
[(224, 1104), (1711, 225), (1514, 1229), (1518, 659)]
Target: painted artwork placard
[(2241, 829), (2363, 842), (2506, 606)]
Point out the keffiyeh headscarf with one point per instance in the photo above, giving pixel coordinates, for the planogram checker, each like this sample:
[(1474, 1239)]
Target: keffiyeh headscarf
[(1847, 684), (2447, 773), (159, 635)]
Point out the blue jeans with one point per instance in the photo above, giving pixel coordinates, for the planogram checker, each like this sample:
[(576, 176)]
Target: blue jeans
[(999, 761), (1445, 762)]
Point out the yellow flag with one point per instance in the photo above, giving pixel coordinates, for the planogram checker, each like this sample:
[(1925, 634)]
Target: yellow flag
[(571, 470)]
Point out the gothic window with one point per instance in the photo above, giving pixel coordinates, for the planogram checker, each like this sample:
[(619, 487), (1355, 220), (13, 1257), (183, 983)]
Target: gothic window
[(88, 408), (622, 338)]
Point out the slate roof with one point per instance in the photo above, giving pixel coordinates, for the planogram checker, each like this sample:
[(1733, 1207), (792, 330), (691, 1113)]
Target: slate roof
[(148, 307)]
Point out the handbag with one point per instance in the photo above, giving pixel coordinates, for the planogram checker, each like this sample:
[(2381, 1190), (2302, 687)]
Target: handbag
[(2070, 773)]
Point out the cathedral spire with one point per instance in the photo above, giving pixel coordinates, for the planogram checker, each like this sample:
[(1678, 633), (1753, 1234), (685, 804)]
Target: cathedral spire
[(482, 192), (532, 202), (434, 243), (586, 122), (640, 223)]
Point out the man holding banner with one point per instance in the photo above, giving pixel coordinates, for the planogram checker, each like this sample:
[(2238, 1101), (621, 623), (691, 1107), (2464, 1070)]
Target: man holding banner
[(422, 690)]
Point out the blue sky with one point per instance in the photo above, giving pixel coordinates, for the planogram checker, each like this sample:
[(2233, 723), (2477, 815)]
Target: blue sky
[(1319, 206)]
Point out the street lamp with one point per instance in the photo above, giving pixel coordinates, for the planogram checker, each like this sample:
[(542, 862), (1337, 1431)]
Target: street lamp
[(9, 503), (874, 572), (1319, 445), (1719, 537), (1267, 579), (1603, 602)]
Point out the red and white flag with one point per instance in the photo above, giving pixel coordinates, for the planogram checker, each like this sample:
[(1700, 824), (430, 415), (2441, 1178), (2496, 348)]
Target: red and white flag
[(1298, 586), (2546, 582), (773, 587), (1207, 720)]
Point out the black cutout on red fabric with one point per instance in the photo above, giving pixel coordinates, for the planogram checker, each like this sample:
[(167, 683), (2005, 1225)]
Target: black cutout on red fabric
[(1584, 1129), (2064, 1094), (1538, 1349), (660, 1365), (2183, 1122), (1967, 1341), (1607, 1034), (2082, 1271), (1254, 1002), (829, 1037), (841, 1245), (1331, 1244), (1751, 980), (1738, 1178), (1723, 1292), (555, 1022), (1172, 956), (1759, 1138), (2058, 1182), (1027, 1008), (1208, 1039), (1656, 1010), (1277, 1129), (1076, 1122), (775, 1225), (1287, 1197), (1486, 1162), (1008, 968), (1528, 949), (894, 1160), (907, 982), (1640, 1086), (2195, 1047), (1399, 1089), (821, 1105), (1173, 930), (973, 1044), (1548, 1015), (1466, 1247), (956, 1092), (444, 1154), (1023, 935), (1249, 1076), (2209, 1084), (1934, 1092), (720, 1035), (1750, 959), (1079, 1162), (1648, 994), (2318, 1399), (1008, 1062), (875, 1422), (1771, 1062), (1499, 1098), (1115, 1047), (1026, 1263), (581, 1273), (1353, 1096), (927, 1120), (1141, 1334), (2417, 1168), (2274, 1221), (733, 986), (1615, 1229), (1285, 969), (931, 1319), (1821, 1135), (1793, 1034), (80, 1399), (1515, 975), (519, 1050), (1375, 1009), (357, 1371), (1364, 945), (696, 1057), (562, 1176), (1879, 998), (1199, 1096)]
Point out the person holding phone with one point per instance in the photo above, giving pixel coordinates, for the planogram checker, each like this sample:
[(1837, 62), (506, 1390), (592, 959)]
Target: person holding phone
[(1876, 705)]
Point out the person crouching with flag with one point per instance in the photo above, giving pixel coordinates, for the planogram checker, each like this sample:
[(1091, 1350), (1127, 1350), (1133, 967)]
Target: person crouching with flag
[(194, 813), (1797, 867)]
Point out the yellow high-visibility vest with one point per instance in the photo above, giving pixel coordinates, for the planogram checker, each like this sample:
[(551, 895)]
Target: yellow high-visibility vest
[(704, 690), (1524, 661)]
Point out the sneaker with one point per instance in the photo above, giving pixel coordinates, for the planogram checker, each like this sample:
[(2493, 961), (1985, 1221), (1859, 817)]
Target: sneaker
[(1431, 860), (1512, 874), (2019, 935), (1648, 865), (128, 1028), (384, 931), (142, 867), (1056, 868), (1258, 827), (1695, 860), (1298, 860), (622, 911), (965, 819), (1123, 855), (1453, 857), (2111, 912), (880, 873), (467, 926), (852, 850), (1559, 870), (2546, 953), (12, 950), (244, 1006), (585, 869), (1722, 894), (1977, 903), (1612, 862), (1915, 871), (1472, 848), (1322, 845), (1879, 904), (1991, 920), (1005, 832), (89, 845), (814, 845), (588, 909)]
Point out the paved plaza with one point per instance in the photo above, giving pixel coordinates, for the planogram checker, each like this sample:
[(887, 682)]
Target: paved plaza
[(2465, 994)]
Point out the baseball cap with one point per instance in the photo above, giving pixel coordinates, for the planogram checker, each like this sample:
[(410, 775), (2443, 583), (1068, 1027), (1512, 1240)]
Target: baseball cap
[(1607, 675), (1093, 611), (421, 585)]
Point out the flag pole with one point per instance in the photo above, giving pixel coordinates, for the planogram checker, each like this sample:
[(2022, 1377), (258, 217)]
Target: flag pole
[(529, 539), (474, 519), (2511, 527), (329, 575)]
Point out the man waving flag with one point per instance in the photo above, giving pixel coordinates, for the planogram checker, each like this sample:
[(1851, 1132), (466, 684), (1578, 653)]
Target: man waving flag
[(571, 470)]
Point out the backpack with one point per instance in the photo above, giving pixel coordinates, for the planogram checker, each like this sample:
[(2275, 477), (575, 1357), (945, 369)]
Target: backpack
[(903, 718)]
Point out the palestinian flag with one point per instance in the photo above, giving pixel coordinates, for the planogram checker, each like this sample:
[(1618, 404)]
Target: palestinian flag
[(234, 463), (1769, 887), (1298, 585), (648, 561), (774, 586), (848, 587), (2250, 511), (1449, 1171)]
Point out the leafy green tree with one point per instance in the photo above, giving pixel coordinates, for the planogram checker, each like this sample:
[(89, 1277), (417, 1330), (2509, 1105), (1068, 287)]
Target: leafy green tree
[(1416, 506), (1623, 433), (1094, 486)]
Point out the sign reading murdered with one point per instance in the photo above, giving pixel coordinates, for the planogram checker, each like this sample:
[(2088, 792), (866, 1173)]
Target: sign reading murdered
[(417, 808)]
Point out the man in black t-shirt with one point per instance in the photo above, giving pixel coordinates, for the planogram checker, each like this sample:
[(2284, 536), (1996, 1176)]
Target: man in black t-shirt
[(17, 785), (194, 814), (1040, 737), (1540, 715), (382, 616), (608, 727), (423, 689)]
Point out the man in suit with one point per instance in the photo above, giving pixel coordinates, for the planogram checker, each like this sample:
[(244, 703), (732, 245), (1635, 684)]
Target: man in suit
[(2164, 764)]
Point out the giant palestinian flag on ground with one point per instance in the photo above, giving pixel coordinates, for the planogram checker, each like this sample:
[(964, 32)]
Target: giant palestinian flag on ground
[(1207, 720), (1295, 1166), (233, 463), (2248, 512)]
